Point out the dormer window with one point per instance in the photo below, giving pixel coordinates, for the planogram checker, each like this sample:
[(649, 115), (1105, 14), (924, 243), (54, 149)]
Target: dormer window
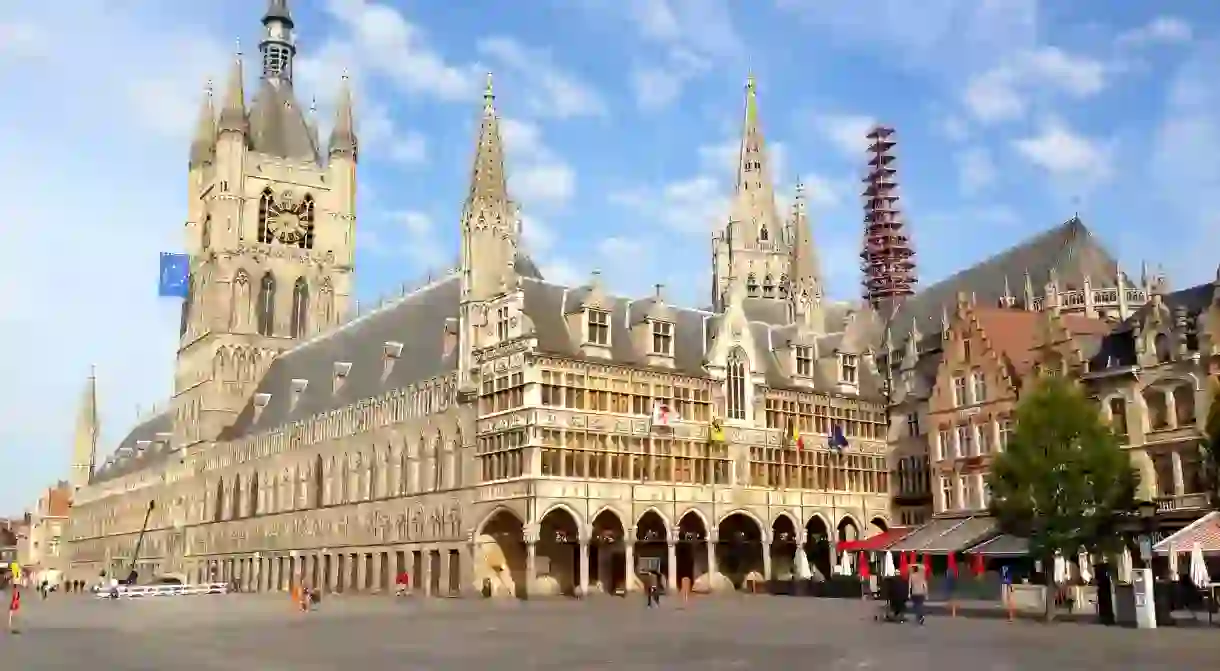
[(662, 338), (849, 368), (979, 383), (598, 327), (804, 361), (502, 322)]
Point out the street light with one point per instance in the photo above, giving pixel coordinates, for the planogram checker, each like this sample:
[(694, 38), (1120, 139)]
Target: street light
[(1147, 513)]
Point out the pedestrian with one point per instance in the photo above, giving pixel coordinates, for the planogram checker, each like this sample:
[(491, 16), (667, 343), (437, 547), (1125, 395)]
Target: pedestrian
[(919, 591), (402, 581), (14, 605), (685, 590), (651, 589)]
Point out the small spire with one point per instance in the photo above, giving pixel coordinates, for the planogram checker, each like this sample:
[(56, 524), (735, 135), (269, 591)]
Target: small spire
[(203, 145), (233, 113), (343, 141), (489, 96), (487, 179)]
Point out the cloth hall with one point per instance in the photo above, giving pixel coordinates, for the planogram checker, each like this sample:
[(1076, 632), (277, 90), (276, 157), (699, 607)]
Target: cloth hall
[(491, 431)]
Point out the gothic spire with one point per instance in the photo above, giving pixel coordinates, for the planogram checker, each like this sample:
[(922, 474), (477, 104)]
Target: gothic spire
[(343, 141), (806, 270), (278, 46), (753, 168), (233, 112), (203, 145), (84, 445), (487, 180)]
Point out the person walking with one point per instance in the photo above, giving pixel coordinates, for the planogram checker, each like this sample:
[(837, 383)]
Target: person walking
[(919, 591), (14, 605)]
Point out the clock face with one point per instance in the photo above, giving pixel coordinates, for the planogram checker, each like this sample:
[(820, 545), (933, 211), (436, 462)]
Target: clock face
[(288, 220)]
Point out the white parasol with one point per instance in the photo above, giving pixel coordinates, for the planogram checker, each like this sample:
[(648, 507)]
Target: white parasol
[(845, 564), (888, 569), (800, 568), (1059, 569), (1084, 566), (1173, 562), (1198, 568), (1124, 566)]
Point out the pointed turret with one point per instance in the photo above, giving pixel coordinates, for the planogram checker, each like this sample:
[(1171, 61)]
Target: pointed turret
[(203, 145), (806, 269), (233, 112), (343, 140), (84, 442), (753, 168), (487, 178)]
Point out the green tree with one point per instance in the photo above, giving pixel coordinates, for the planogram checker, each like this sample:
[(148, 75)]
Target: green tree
[(1211, 446), (1064, 478)]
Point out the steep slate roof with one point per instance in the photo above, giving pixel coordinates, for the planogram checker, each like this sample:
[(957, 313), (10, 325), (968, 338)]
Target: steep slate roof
[(1117, 348), (128, 457), (418, 321), (1069, 248), (277, 126)]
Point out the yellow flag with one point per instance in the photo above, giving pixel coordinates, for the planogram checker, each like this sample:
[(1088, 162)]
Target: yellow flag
[(715, 432)]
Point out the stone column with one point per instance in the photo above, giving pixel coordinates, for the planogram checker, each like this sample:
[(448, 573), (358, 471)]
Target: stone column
[(379, 559), (1171, 410), (1179, 483), (766, 553), (629, 560), (671, 559), (362, 571), (531, 558), (712, 538), (583, 588)]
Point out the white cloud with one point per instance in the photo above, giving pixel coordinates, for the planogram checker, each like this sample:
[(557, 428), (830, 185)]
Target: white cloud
[(537, 176), (1160, 30), (1063, 153), (845, 132), (549, 91), (19, 39), (656, 87), (1004, 93), (975, 169), (381, 137)]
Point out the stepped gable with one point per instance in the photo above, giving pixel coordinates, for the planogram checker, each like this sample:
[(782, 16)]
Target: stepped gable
[(1070, 249), (418, 321)]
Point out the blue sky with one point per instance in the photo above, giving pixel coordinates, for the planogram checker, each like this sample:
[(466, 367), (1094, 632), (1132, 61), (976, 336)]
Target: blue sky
[(621, 118)]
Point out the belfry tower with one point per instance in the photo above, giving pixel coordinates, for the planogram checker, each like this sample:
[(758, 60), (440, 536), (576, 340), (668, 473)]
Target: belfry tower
[(270, 232), (887, 260)]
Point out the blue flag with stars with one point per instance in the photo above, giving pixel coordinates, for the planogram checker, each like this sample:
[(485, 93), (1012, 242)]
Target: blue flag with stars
[(837, 440), (175, 275)]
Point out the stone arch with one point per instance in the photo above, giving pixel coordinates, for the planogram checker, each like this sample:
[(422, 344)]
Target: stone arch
[(559, 530), (576, 517), (818, 547), (878, 524), (499, 553), (848, 528), (607, 550), (596, 521), (694, 518), (743, 511), (652, 519), (785, 515), (693, 536), (739, 554)]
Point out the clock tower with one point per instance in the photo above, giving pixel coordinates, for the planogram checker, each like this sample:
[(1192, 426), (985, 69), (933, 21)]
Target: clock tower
[(271, 229)]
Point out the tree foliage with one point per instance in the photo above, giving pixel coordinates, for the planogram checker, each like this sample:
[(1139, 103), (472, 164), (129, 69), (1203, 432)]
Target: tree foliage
[(1063, 476), (1211, 446)]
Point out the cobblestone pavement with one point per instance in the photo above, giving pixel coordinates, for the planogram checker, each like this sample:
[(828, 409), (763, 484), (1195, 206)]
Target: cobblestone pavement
[(370, 633)]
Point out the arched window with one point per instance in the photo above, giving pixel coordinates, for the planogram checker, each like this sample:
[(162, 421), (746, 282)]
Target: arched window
[(235, 499), (763, 235), (266, 306), (768, 287), (252, 504), (783, 286), (307, 214), (265, 203), (344, 480), (736, 395), (327, 308), (317, 482), (752, 285), (188, 304), (239, 319), (205, 237), (300, 308), (218, 507)]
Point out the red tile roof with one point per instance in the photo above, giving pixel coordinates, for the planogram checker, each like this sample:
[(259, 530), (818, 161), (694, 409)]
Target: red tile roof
[(879, 542), (1204, 531)]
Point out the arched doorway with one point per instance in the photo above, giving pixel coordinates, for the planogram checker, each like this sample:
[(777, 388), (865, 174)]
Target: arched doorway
[(558, 552), (739, 553), (878, 525), (500, 555), (651, 551), (692, 547), (848, 531), (607, 561), (817, 545), (784, 545)]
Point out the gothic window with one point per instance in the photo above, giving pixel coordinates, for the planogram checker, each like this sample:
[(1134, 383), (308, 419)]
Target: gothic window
[(374, 475), (187, 304), (239, 318), (235, 499), (768, 287), (266, 305), (300, 308), (218, 507), (1163, 352), (205, 238), (252, 504), (763, 235), (318, 488), (344, 480), (783, 286), (327, 309), (736, 395), (1184, 404), (265, 203), (307, 223), (1118, 416), (751, 285)]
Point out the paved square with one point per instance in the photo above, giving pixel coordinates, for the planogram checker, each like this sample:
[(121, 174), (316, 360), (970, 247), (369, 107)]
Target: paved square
[(262, 633)]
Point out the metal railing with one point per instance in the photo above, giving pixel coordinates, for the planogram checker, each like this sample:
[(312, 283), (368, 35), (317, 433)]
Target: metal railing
[(141, 591)]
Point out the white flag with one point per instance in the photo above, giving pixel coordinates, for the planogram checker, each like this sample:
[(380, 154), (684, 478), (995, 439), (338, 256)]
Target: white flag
[(662, 415)]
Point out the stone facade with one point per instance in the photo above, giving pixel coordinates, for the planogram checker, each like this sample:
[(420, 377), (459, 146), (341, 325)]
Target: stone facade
[(489, 431)]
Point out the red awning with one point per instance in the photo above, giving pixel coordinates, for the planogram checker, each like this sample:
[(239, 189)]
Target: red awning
[(879, 542)]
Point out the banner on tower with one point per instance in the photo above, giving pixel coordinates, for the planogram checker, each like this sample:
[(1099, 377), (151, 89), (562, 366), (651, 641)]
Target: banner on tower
[(175, 275)]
